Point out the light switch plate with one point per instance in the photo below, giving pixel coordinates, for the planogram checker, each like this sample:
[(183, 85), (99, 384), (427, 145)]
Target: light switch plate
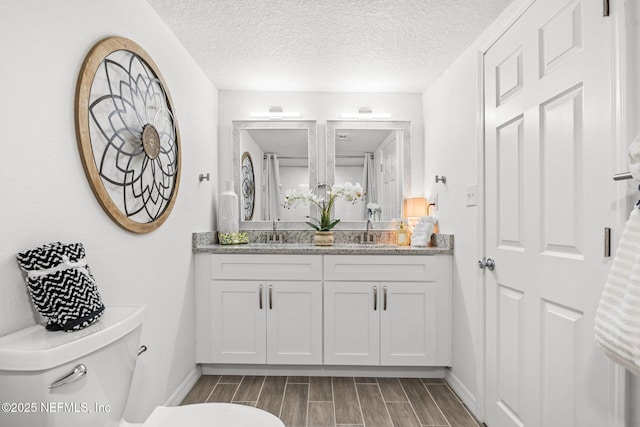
[(470, 195)]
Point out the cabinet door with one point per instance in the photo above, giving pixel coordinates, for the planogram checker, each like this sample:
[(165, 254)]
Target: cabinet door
[(238, 322), (409, 324), (294, 323), (351, 323)]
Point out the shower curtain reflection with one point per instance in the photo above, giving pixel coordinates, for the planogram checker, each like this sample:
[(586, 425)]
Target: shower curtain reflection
[(271, 191)]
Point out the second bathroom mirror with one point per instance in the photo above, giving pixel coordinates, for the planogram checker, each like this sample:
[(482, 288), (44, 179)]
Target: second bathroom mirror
[(268, 158), (377, 155)]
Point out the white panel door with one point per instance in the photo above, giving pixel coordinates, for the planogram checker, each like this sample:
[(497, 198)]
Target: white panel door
[(294, 323), (548, 151), (409, 324), (391, 179), (238, 322), (351, 323)]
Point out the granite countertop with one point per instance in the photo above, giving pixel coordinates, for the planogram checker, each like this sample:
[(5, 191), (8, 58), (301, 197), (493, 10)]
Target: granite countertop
[(203, 244)]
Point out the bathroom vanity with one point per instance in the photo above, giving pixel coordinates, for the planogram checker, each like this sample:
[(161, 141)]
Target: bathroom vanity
[(346, 305)]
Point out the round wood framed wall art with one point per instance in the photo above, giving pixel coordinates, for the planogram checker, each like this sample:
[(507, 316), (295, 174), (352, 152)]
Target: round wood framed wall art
[(128, 135)]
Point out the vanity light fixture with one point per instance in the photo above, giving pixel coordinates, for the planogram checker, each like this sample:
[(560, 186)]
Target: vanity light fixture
[(366, 113), (275, 113)]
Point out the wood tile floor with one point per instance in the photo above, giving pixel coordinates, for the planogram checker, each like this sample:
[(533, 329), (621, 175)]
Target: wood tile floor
[(340, 401)]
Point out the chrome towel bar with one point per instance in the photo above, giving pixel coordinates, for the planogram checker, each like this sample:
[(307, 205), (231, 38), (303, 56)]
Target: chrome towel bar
[(622, 176)]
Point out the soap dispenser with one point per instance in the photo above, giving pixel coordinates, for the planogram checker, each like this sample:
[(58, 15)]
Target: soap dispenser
[(402, 234)]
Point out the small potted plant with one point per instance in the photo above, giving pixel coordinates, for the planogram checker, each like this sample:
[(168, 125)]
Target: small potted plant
[(324, 225)]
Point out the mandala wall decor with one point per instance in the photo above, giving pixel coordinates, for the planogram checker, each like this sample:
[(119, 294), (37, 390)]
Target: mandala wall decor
[(248, 187), (127, 134)]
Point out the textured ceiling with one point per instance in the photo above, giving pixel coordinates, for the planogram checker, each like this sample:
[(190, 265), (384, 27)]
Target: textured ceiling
[(326, 45)]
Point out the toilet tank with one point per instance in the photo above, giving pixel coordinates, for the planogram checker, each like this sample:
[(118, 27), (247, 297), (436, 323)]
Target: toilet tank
[(33, 359)]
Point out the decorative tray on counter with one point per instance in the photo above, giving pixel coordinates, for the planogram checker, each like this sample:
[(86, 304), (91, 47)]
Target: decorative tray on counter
[(233, 238)]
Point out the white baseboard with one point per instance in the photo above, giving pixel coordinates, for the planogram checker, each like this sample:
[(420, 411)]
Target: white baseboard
[(185, 386), (462, 391), (325, 370)]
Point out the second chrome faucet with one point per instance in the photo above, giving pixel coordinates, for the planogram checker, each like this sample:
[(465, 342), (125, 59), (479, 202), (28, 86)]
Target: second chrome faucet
[(275, 237)]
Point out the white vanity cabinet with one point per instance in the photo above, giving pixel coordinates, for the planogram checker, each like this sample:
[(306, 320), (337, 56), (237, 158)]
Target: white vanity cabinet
[(387, 310), (257, 309)]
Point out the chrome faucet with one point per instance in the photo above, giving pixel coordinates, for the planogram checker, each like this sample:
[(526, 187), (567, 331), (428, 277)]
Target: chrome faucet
[(274, 237), (367, 237)]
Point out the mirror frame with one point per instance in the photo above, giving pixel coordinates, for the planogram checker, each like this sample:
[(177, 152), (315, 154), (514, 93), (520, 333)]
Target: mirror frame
[(334, 126), (312, 148)]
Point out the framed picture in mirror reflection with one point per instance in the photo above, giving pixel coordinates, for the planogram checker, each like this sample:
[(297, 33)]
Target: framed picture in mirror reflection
[(248, 187)]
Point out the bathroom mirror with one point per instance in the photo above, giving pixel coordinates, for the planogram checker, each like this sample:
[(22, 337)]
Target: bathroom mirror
[(378, 156), (283, 156)]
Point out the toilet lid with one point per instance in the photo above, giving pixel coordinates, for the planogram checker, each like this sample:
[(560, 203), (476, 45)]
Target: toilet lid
[(212, 415)]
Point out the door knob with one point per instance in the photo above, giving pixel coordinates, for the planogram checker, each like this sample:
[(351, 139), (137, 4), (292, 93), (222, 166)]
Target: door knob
[(487, 263)]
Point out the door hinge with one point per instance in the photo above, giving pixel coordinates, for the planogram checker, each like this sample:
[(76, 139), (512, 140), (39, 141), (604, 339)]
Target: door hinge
[(607, 242), (605, 7)]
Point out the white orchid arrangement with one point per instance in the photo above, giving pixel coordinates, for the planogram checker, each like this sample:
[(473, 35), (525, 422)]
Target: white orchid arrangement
[(350, 192)]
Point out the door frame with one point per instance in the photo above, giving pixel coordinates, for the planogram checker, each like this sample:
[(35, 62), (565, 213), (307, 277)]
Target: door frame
[(617, 383)]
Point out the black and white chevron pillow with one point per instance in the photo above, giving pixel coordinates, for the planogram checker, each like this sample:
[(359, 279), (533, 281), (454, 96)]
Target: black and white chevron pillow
[(61, 285)]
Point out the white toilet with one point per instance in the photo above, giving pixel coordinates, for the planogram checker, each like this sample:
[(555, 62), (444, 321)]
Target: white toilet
[(79, 379)]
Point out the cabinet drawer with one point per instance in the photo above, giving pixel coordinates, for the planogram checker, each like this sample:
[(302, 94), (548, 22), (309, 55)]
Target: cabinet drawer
[(386, 267), (266, 267)]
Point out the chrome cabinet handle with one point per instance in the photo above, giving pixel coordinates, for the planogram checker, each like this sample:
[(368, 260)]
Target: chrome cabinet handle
[(73, 376), (260, 298), (270, 297), (375, 298), (384, 305), (487, 263)]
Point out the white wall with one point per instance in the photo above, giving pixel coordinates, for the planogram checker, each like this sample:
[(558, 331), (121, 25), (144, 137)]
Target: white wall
[(451, 150), (45, 196), (320, 106)]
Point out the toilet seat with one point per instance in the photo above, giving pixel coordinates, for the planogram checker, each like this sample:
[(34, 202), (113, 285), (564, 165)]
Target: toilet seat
[(212, 415)]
